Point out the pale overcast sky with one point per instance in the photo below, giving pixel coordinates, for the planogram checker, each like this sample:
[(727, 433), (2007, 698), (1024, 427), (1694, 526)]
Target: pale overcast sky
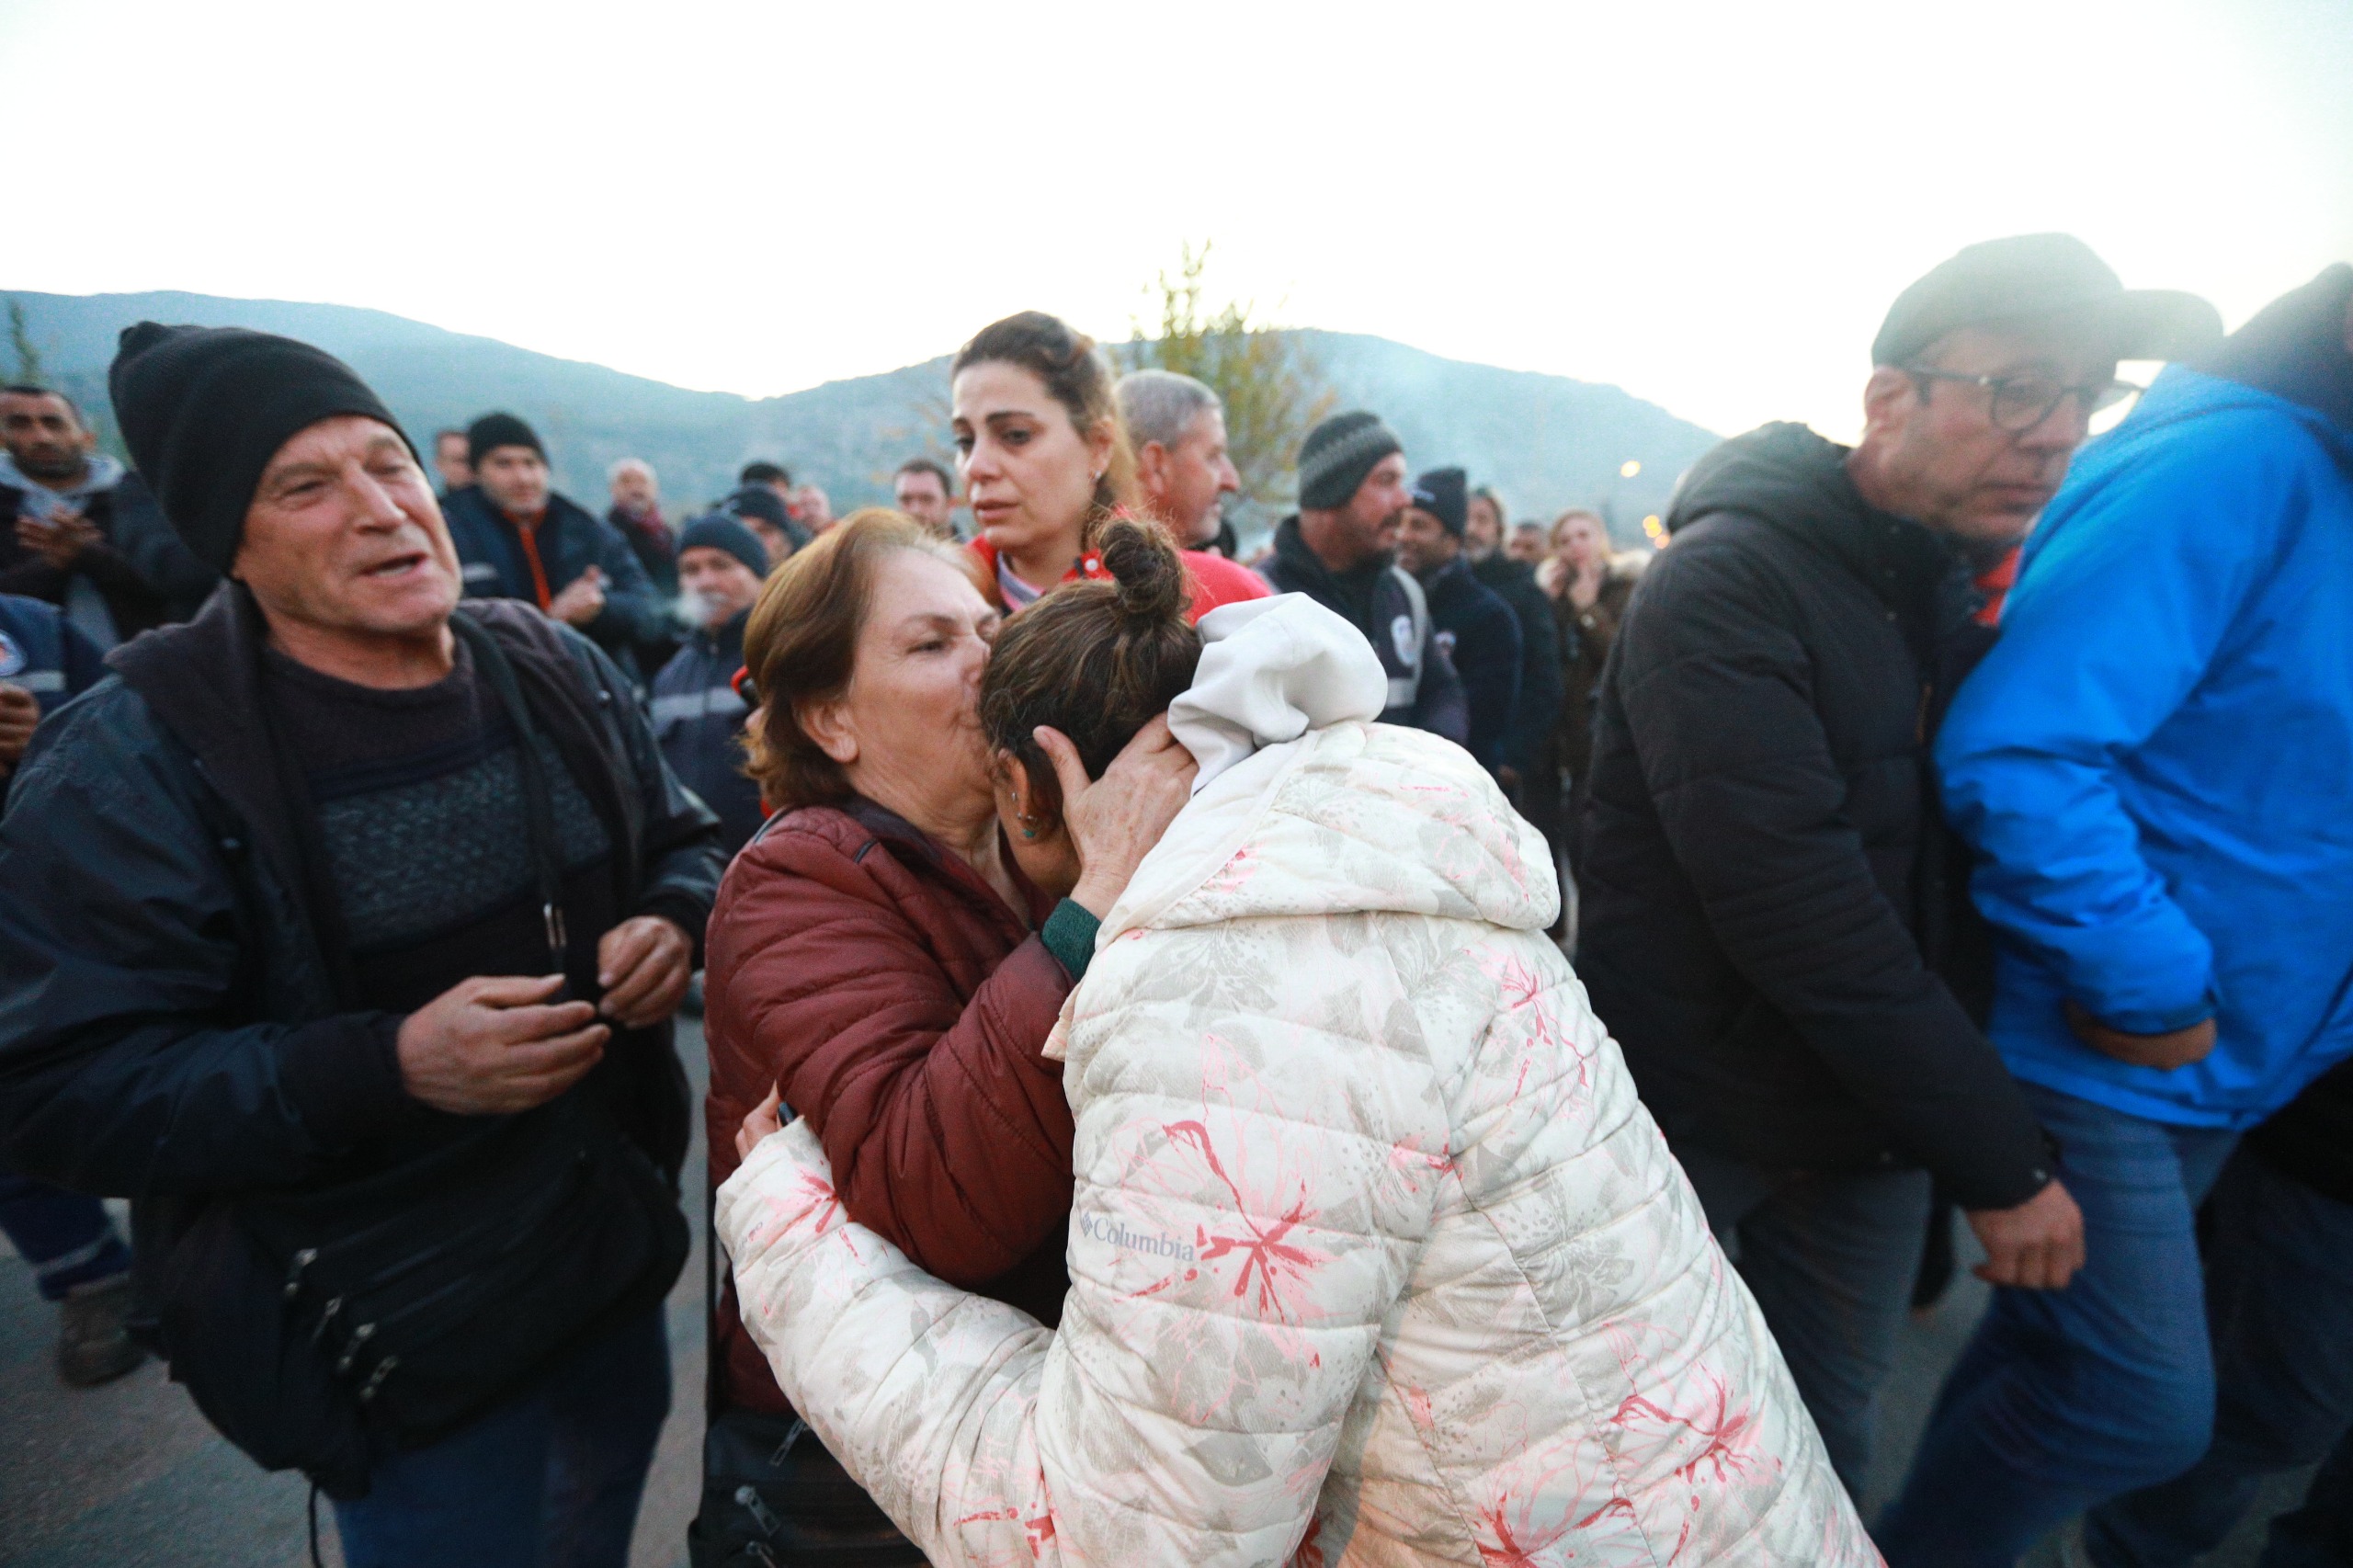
[(1710, 204)]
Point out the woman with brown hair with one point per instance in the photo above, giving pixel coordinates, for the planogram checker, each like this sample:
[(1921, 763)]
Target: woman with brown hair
[(878, 955), (1588, 590), (1376, 1256), (1046, 463)]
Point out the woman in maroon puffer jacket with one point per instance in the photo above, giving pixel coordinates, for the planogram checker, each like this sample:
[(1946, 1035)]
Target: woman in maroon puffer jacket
[(875, 955)]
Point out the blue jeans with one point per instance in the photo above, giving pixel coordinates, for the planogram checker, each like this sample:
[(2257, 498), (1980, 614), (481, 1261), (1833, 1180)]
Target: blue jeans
[(2066, 1398), (549, 1479), (2279, 1304), (1830, 1257), (65, 1235)]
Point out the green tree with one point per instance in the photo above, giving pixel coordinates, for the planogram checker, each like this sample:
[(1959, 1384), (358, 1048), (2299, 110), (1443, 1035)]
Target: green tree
[(1270, 382), (20, 338)]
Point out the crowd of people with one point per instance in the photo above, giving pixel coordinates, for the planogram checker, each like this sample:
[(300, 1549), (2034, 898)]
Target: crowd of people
[(1152, 1115)]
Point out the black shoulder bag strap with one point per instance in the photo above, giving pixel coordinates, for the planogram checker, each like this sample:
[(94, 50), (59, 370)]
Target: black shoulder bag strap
[(538, 800)]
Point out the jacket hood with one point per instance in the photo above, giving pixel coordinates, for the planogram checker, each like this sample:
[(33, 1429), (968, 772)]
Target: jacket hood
[(2180, 395), (1308, 808), (2294, 349), (1271, 670), (1782, 473)]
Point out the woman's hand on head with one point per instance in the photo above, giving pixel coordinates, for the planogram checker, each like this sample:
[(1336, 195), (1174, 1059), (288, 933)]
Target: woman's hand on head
[(1114, 821), (764, 1118)]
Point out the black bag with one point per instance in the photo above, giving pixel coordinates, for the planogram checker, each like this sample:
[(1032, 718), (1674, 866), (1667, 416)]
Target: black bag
[(772, 1498), (416, 1298), (413, 1301)]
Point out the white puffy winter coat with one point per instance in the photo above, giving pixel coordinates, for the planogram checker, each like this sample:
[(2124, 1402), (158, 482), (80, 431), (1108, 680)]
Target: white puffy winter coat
[(1375, 1257)]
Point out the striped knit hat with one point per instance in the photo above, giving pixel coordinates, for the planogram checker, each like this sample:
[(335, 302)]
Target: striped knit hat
[(1337, 455)]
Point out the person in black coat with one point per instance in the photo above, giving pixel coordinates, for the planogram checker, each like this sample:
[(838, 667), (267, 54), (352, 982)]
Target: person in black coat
[(1340, 548), (1476, 631), (1770, 894), (1540, 684), (367, 913), (520, 540)]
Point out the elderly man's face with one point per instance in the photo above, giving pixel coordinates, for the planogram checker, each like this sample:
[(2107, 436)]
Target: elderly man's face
[(1187, 484), (43, 436), (721, 586), (635, 492), (516, 480), (344, 536)]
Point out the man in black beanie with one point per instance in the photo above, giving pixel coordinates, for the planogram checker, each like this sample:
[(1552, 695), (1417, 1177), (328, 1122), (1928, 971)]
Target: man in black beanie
[(518, 538), (1476, 631), (697, 713), (365, 918), (1338, 548), (759, 508)]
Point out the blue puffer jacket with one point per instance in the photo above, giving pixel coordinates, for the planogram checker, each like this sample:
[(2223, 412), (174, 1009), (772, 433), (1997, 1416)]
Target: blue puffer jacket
[(2153, 765)]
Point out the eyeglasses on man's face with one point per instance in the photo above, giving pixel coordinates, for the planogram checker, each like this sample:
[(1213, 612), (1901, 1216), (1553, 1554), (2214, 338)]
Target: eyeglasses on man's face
[(2020, 402)]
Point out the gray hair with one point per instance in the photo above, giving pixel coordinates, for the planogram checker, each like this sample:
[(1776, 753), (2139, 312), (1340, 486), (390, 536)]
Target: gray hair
[(1161, 405), (626, 465)]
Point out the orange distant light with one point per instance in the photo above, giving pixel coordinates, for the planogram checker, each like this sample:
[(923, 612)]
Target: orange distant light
[(1628, 469)]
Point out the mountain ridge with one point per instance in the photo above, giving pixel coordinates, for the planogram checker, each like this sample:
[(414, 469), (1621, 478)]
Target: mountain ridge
[(1544, 441)]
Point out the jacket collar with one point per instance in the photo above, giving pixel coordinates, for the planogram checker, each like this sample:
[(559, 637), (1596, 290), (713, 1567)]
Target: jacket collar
[(888, 827)]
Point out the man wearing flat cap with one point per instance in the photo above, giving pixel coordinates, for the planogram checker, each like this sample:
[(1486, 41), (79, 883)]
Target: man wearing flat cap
[(2150, 766), (1775, 920), (357, 922)]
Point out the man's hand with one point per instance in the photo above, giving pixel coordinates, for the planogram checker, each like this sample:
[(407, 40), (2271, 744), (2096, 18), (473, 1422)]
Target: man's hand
[(2037, 1245), (19, 712), (1114, 822), (2175, 1048), (583, 599), (643, 965), (763, 1121), (495, 1045), (60, 541)]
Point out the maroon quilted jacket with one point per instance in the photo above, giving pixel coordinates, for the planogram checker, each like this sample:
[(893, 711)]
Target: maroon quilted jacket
[(900, 1005)]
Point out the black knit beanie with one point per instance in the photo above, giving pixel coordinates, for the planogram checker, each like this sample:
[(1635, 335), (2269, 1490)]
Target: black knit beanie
[(1445, 494), (203, 409), (1338, 454), (717, 531), (495, 430)]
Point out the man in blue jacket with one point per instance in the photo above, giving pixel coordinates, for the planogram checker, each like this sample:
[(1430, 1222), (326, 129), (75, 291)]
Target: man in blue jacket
[(517, 539), (2152, 768)]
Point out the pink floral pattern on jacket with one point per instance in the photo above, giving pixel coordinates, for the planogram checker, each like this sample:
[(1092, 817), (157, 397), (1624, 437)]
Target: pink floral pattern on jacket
[(1376, 1257)]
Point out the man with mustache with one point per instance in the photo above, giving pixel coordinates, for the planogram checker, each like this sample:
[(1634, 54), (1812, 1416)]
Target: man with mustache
[(1340, 549), (1776, 924), (361, 918)]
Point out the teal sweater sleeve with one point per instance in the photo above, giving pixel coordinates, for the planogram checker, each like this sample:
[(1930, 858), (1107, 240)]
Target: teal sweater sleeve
[(1069, 935)]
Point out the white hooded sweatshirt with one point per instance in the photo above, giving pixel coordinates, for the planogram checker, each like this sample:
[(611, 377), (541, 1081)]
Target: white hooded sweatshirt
[(1375, 1257)]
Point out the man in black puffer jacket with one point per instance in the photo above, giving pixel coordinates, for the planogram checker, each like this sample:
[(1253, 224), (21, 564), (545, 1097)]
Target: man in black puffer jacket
[(1770, 894), (343, 930)]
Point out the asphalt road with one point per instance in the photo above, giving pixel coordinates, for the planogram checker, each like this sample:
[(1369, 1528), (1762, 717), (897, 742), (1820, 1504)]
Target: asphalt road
[(129, 1475)]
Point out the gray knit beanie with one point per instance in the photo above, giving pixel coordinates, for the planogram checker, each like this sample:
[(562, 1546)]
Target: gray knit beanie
[(1338, 454)]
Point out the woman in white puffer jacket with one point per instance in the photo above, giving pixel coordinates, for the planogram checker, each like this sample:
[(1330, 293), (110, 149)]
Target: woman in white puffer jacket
[(1375, 1257)]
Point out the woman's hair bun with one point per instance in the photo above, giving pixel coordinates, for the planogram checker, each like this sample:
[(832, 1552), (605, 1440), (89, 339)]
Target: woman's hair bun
[(1149, 573)]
